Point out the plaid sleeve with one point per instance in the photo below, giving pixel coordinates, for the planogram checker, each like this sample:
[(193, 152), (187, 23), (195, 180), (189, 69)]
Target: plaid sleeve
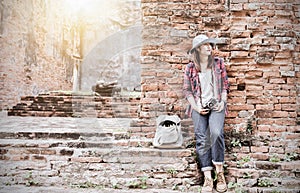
[(187, 87), (224, 77)]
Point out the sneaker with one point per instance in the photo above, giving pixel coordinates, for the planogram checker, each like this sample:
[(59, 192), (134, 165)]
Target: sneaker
[(221, 183), (208, 185)]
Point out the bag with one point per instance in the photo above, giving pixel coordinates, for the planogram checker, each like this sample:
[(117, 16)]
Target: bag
[(168, 132)]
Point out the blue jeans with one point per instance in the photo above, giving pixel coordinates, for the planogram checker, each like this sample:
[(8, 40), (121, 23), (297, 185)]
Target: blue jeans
[(209, 133)]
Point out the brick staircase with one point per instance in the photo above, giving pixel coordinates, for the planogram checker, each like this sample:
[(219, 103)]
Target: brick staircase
[(69, 104), (44, 152), (85, 141), (77, 153)]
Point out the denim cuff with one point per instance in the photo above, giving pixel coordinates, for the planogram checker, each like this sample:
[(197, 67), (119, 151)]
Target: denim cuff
[(208, 168), (218, 163)]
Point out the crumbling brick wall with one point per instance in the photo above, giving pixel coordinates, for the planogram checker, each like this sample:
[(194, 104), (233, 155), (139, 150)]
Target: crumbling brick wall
[(259, 41)]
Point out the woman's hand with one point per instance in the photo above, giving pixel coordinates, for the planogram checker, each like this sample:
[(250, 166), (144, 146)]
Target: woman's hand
[(219, 106), (202, 111)]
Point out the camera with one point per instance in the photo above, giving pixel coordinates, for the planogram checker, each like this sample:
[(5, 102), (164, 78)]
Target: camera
[(210, 104)]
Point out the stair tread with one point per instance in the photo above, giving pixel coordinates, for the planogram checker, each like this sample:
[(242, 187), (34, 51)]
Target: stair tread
[(63, 124), (41, 143)]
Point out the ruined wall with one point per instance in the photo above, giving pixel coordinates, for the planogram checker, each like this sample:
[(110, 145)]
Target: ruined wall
[(31, 51), (259, 41), (42, 41)]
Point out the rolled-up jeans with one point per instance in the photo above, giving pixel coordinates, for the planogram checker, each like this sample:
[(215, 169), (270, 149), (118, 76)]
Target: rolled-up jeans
[(209, 133)]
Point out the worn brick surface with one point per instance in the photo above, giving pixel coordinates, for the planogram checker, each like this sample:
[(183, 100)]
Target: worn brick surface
[(260, 44)]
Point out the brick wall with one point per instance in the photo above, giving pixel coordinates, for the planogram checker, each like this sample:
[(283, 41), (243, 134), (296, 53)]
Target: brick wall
[(30, 53), (260, 45)]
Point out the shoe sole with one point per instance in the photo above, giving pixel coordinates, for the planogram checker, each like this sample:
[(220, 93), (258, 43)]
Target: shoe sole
[(223, 190)]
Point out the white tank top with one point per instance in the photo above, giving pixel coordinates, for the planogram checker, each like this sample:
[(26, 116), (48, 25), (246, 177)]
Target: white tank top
[(206, 83)]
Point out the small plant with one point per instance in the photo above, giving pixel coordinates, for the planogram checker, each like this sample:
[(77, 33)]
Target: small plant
[(30, 181), (237, 187), (291, 157), (244, 160), (274, 158), (264, 182), (141, 182), (133, 184), (276, 174), (236, 142), (115, 185), (249, 128), (215, 176), (200, 189), (86, 185), (235, 156), (191, 144), (172, 171), (247, 175), (139, 144), (175, 187)]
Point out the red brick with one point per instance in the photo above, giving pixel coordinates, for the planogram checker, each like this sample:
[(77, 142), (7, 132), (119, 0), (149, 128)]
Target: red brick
[(277, 114), (167, 100), (19, 157), (262, 149), (278, 129), (264, 127), (48, 152), (38, 158), (290, 165), (87, 159), (293, 136), (276, 150), (263, 107), (260, 156), (277, 81), (287, 100), (281, 93), (289, 107), (241, 107), (150, 87), (285, 121)]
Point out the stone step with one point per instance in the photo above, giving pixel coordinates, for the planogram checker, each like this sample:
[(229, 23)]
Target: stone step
[(90, 152), (157, 163), (58, 104), (111, 154), (79, 152), (87, 188), (81, 143), (123, 167)]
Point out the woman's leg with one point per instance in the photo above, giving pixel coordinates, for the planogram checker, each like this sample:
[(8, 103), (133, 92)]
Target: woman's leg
[(202, 135), (216, 123), (203, 149)]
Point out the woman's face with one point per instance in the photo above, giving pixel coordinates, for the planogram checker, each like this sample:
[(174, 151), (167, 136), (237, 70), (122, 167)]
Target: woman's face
[(205, 49)]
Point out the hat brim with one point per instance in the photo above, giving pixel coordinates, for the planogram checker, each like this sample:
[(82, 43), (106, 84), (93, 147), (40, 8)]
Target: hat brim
[(209, 40)]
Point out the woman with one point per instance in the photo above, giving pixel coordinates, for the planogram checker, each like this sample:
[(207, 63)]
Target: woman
[(205, 87)]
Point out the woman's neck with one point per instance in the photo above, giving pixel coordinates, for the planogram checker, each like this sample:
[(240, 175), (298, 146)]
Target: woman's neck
[(203, 63), (203, 59)]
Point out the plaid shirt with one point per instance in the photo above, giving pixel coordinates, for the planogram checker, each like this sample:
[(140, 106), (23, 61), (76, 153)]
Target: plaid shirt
[(191, 84)]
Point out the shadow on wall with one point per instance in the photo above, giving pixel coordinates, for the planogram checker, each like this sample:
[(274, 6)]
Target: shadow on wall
[(116, 58)]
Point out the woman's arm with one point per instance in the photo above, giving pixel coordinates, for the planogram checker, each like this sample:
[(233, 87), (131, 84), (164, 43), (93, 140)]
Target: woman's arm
[(187, 87), (224, 77)]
